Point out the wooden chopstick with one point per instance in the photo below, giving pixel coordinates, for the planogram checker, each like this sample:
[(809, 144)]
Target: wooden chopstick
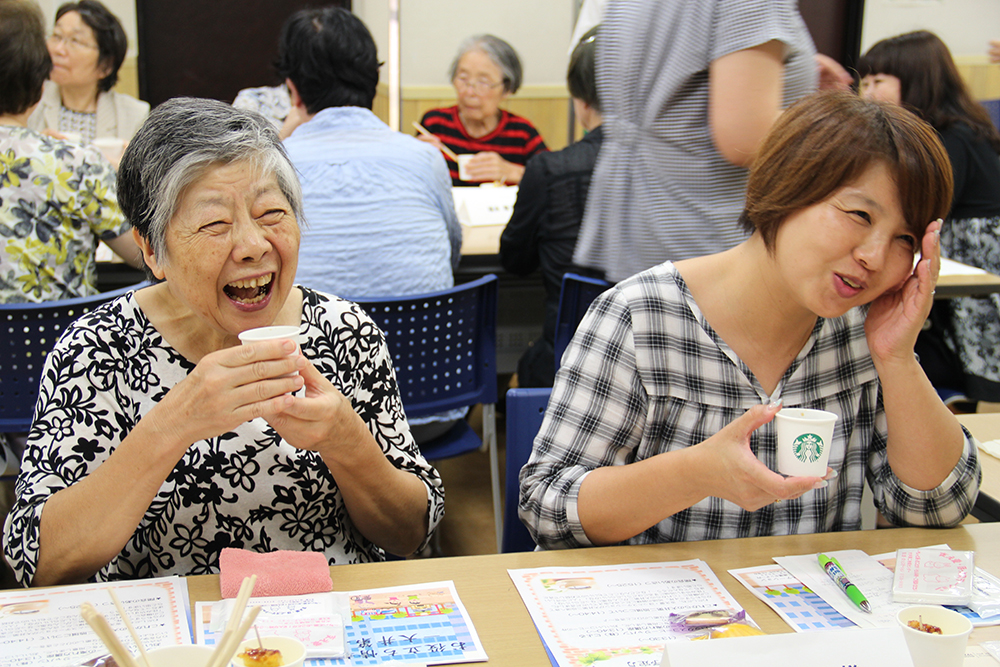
[(232, 624), (226, 650), (103, 630), (444, 149), (246, 590), (130, 627)]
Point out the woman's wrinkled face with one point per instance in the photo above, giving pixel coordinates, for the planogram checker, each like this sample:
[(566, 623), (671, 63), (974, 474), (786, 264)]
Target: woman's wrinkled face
[(74, 52), (232, 248), (881, 87), (479, 84)]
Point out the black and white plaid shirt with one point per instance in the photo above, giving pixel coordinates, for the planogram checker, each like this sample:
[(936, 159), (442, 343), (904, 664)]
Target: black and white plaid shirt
[(646, 374)]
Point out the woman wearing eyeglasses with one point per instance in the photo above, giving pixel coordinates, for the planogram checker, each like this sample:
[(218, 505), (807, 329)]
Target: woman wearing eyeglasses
[(87, 46), (485, 72)]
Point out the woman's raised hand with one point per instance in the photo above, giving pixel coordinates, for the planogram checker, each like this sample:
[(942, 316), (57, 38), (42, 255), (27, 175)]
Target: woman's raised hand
[(895, 318), (322, 419), (230, 387), (739, 476)]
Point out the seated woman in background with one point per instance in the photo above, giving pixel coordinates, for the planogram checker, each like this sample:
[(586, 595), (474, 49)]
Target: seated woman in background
[(88, 46), (917, 71), (158, 440), (546, 220), (485, 72), (659, 426), (57, 199)]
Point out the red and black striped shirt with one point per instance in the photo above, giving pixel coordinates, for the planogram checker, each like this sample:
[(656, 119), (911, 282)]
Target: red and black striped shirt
[(515, 139)]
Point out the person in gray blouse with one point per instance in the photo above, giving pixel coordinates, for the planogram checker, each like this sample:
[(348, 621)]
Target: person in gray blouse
[(689, 90)]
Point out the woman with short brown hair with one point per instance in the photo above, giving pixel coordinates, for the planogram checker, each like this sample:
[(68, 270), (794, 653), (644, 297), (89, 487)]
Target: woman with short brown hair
[(659, 426)]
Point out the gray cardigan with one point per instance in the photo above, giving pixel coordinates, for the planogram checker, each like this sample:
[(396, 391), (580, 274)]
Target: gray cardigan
[(118, 115)]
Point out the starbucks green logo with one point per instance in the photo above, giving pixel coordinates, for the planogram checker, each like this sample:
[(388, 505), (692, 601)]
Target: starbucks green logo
[(807, 447)]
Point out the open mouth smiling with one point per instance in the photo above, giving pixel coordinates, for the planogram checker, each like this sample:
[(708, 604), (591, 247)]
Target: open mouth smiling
[(250, 290)]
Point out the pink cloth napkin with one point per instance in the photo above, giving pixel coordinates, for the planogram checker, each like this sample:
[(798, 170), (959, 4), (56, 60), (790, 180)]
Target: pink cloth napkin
[(278, 572)]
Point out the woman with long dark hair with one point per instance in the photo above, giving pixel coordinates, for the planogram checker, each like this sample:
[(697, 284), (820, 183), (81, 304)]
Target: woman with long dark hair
[(916, 70)]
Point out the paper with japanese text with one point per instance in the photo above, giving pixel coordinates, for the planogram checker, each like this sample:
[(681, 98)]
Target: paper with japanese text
[(419, 624), (42, 627), (616, 615)]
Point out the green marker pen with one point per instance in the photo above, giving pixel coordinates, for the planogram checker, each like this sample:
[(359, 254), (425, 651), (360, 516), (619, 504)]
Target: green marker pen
[(836, 572)]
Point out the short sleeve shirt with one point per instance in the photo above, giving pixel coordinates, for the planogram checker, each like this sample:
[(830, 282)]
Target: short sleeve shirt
[(57, 200)]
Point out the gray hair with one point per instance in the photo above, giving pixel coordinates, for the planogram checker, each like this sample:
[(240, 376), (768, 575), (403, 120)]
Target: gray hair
[(180, 139), (500, 52)]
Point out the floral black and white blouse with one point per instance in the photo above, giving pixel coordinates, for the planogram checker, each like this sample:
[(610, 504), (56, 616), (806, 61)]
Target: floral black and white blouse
[(247, 488)]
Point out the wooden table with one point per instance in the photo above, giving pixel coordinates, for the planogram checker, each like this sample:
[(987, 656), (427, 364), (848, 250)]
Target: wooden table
[(510, 638), (986, 426)]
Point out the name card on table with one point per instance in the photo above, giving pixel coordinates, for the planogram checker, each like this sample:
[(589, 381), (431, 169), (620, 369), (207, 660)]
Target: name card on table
[(862, 647), (486, 205)]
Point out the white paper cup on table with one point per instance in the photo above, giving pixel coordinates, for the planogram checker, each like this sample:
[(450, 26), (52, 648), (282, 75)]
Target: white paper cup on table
[(271, 333), (111, 147), (192, 655), (804, 439), (293, 652), (935, 650), (463, 166)]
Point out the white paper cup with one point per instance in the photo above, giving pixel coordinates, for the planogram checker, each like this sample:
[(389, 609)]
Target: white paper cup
[(293, 652), (933, 650), (463, 165), (111, 147), (72, 137), (180, 656), (804, 439), (271, 333)]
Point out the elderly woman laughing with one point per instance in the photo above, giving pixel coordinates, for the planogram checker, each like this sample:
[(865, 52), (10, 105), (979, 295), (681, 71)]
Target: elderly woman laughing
[(158, 439)]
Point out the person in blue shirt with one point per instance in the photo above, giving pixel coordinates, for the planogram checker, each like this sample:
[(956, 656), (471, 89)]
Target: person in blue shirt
[(380, 218)]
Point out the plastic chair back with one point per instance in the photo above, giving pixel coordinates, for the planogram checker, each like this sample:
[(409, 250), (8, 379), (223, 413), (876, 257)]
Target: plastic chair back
[(575, 296), (443, 345), (525, 410), (444, 350), (29, 332)]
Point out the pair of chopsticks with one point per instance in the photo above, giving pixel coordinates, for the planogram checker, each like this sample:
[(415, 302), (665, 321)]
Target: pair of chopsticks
[(123, 657), (427, 133), (236, 627)]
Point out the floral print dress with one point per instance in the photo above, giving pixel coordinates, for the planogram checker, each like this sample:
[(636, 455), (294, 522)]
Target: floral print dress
[(247, 488)]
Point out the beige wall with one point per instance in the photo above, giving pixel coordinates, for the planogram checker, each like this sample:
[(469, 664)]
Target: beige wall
[(964, 25)]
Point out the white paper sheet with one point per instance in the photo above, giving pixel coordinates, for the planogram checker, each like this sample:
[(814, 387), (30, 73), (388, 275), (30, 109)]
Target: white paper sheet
[(616, 615), (43, 627), (485, 205), (950, 267), (870, 647), (864, 571)]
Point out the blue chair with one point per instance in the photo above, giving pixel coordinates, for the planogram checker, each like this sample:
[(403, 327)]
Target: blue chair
[(444, 350), (575, 296), (30, 330), (525, 410), (993, 109)]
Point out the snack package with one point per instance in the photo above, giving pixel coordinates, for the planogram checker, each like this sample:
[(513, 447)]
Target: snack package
[(933, 576), (714, 624)]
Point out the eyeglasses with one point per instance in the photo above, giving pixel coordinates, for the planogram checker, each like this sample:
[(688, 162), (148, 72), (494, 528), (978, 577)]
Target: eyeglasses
[(481, 86), (70, 42)]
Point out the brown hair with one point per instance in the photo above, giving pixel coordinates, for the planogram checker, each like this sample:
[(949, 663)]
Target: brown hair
[(929, 82), (24, 59), (826, 141)]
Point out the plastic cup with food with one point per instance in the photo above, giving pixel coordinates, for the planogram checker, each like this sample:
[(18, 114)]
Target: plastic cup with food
[(936, 636)]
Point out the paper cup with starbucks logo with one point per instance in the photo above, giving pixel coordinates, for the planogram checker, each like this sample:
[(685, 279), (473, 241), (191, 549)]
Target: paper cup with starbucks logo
[(804, 440)]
